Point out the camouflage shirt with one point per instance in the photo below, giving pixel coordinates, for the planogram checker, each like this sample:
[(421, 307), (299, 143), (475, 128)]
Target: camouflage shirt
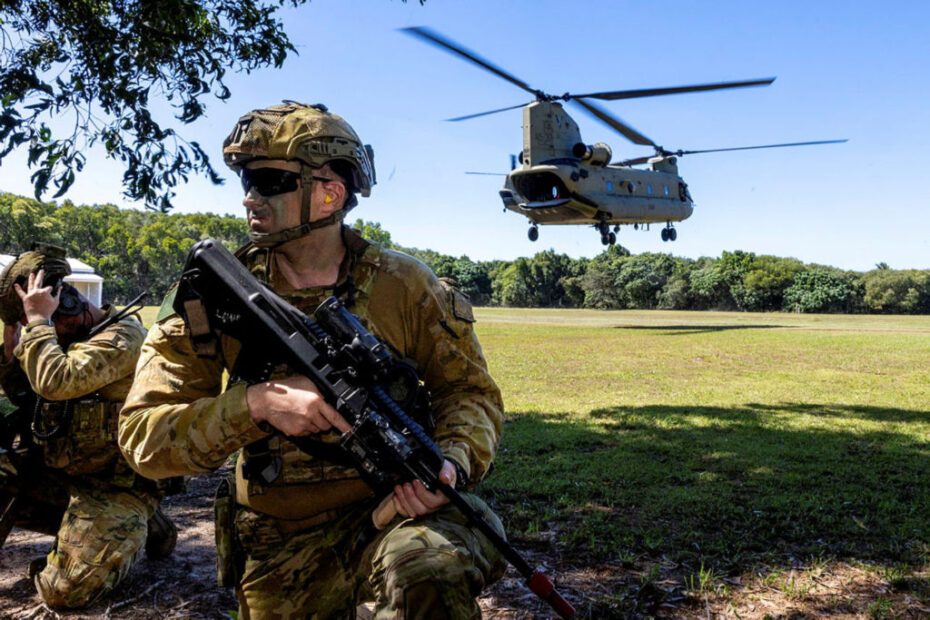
[(178, 418), (88, 381)]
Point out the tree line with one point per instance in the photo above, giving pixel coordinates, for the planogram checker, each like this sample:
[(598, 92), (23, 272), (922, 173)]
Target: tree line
[(145, 250)]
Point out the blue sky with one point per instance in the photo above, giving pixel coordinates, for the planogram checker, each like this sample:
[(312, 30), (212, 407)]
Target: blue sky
[(855, 70)]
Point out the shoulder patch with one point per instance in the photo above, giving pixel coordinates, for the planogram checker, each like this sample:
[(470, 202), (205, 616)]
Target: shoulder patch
[(458, 301), (167, 306)]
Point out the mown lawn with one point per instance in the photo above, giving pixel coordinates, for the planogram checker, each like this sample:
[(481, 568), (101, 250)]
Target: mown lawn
[(720, 443)]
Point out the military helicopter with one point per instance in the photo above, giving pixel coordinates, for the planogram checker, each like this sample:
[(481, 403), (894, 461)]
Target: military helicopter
[(559, 179)]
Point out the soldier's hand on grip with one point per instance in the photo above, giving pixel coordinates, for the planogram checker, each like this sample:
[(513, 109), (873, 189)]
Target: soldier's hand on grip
[(294, 406)]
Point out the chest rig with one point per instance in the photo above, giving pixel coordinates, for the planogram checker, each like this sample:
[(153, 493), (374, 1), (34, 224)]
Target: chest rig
[(262, 463)]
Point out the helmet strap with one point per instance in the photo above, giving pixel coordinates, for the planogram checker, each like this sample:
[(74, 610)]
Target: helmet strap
[(273, 240)]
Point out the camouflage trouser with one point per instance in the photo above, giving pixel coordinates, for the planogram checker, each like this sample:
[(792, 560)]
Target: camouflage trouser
[(431, 567), (101, 533)]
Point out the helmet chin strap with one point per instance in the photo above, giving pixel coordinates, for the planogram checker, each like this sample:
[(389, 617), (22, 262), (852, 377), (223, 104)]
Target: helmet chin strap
[(275, 239)]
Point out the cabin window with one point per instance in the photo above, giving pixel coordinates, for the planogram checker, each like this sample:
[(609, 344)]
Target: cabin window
[(666, 190), (649, 189), (629, 187), (610, 187)]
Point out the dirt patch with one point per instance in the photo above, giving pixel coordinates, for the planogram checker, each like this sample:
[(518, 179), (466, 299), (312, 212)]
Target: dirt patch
[(184, 586)]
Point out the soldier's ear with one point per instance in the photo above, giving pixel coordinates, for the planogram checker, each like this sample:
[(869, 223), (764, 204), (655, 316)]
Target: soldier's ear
[(334, 194)]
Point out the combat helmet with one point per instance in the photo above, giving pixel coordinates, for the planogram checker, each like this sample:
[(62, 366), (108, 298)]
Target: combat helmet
[(311, 135), (40, 256)]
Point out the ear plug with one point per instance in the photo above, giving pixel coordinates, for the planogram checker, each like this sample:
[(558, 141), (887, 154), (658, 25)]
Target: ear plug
[(328, 199)]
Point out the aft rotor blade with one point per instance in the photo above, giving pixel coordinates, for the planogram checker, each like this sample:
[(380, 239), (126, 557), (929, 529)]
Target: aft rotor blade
[(464, 118), (762, 146), (632, 162), (438, 40), (674, 90), (628, 132)]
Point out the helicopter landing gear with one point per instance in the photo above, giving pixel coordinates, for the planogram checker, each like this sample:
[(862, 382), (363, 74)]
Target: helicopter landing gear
[(607, 237), (533, 233), (669, 233)]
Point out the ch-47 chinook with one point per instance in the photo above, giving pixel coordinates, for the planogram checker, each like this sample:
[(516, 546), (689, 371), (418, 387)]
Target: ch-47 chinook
[(559, 179)]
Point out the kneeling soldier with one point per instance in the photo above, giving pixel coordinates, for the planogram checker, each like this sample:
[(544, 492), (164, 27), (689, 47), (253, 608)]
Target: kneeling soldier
[(68, 477)]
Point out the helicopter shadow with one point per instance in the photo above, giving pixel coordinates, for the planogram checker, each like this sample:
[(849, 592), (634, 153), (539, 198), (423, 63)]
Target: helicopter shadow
[(684, 330)]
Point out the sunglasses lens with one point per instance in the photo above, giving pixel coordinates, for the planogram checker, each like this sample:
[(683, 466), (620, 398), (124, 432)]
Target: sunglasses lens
[(269, 181)]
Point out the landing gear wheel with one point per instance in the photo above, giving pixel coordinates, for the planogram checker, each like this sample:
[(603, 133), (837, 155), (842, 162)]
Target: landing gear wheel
[(603, 228), (605, 239), (533, 233), (672, 234), (612, 238), (664, 234)]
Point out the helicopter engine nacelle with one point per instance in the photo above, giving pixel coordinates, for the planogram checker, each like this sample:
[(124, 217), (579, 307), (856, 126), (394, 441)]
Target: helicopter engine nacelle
[(598, 154)]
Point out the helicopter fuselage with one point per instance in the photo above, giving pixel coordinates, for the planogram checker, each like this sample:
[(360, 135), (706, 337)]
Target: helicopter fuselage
[(570, 192), (561, 180)]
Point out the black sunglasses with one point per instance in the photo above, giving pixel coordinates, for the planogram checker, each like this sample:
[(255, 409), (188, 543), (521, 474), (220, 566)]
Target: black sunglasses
[(272, 181)]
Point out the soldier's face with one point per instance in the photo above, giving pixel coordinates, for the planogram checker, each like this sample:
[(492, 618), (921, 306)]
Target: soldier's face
[(270, 214)]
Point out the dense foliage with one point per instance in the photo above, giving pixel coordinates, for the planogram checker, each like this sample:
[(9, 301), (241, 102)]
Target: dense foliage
[(133, 251), (137, 251), (119, 73)]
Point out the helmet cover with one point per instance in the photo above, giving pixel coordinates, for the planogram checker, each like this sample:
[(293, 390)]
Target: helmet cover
[(41, 256)]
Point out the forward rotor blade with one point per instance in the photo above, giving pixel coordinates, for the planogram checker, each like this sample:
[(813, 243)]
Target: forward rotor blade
[(628, 132), (674, 90), (438, 40), (763, 146), (490, 174), (465, 118)]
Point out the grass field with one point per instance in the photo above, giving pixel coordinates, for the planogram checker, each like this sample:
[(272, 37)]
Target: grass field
[(722, 444), (718, 454)]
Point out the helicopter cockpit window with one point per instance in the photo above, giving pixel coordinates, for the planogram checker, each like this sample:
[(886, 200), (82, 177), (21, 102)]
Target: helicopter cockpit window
[(610, 187), (649, 189)]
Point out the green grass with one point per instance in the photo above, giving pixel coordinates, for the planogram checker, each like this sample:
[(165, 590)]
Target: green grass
[(722, 441)]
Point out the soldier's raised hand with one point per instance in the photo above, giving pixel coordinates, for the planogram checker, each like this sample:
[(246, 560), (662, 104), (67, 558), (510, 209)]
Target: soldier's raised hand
[(39, 303)]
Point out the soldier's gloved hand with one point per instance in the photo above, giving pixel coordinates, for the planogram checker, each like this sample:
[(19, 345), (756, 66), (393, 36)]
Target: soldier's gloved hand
[(294, 406), (38, 301), (10, 340), (411, 499)]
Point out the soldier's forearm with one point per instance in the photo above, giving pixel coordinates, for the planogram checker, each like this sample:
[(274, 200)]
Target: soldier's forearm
[(175, 439)]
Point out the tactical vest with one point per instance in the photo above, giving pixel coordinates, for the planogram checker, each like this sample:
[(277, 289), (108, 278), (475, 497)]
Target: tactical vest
[(297, 485)]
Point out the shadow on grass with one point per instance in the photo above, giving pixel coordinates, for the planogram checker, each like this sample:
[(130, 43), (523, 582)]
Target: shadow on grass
[(728, 488), (684, 330)]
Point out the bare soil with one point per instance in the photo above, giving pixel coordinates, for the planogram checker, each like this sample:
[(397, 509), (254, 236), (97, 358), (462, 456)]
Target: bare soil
[(184, 586)]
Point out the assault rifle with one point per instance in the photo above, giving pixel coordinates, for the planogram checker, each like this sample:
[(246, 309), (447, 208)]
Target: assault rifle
[(353, 370)]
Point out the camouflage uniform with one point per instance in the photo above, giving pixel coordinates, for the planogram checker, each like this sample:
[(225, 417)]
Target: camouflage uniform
[(309, 550), (103, 504)]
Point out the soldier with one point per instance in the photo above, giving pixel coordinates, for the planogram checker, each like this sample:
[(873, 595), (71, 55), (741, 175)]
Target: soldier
[(72, 480), (304, 530)]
